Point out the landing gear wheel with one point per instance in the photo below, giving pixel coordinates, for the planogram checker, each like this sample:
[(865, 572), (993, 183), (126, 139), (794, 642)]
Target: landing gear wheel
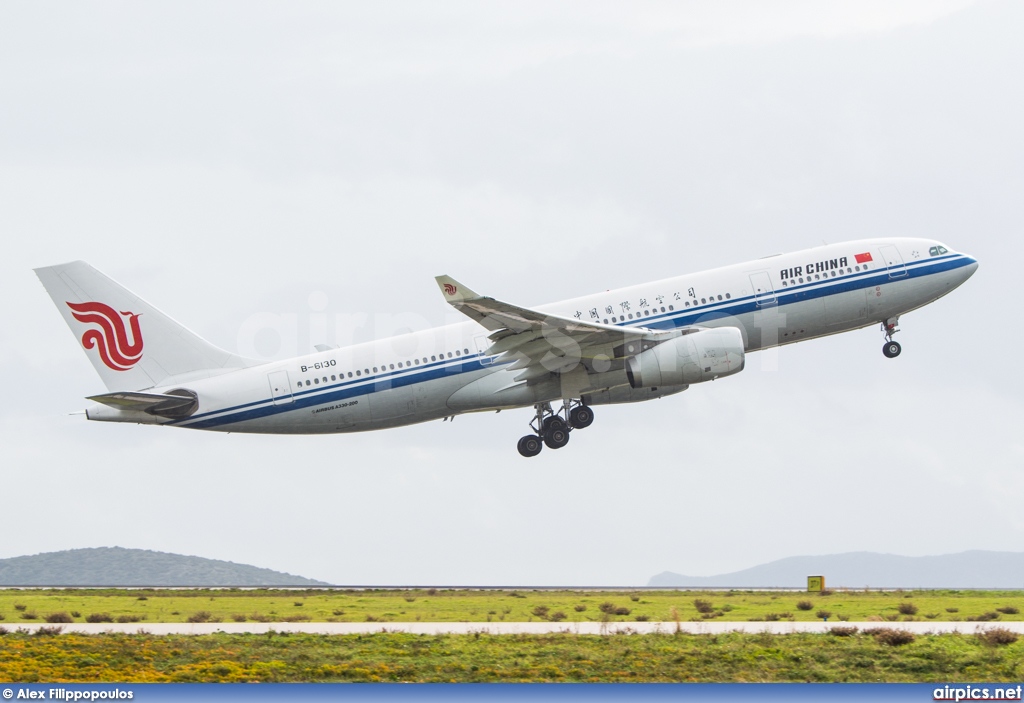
[(581, 416), (530, 445), (892, 349), (552, 421), (557, 436)]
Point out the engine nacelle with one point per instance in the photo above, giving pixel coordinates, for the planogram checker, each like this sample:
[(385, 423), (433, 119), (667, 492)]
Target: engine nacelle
[(700, 356)]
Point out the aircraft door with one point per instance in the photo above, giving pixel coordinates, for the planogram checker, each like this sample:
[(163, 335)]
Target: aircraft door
[(483, 343), (280, 387), (893, 260), (764, 293)]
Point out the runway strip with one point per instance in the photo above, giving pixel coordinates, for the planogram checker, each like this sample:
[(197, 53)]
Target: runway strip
[(513, 628)]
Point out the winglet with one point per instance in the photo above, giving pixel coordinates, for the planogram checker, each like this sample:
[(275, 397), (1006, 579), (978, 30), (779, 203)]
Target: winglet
[(454, 292)]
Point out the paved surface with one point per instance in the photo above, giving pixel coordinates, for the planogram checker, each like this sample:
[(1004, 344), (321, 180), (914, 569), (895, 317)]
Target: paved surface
[(511, 628)]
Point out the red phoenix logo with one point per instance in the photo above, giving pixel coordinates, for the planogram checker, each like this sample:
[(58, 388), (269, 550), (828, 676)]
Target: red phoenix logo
[(449, 289), (111, 339)]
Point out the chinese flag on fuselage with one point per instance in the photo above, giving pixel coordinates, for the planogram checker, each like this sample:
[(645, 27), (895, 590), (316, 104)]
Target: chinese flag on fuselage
[(863, 258)]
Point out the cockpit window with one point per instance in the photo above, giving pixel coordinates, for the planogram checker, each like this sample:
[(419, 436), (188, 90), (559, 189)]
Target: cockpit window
[(938, 251)]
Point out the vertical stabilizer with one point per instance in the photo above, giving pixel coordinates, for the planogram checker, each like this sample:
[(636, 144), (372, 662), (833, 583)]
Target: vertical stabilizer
[(131, 344)]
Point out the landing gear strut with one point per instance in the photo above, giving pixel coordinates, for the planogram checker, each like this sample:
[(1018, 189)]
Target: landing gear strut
[(552, 428), (891, 349)]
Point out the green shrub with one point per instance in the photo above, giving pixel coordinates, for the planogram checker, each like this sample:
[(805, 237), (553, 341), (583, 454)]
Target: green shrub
[(541, 611), (99, 617), (1008, 610), (239, 617), (642, 618), (579, 608), (804, 605), (611, 609), (984, 617), (48, 631), (130, 618), (29, 615), (892, 637), (703, 606), (998, 637), (557, 616), (201, 616), (58, 617), (20, 607), (907, 609), (824, 614)]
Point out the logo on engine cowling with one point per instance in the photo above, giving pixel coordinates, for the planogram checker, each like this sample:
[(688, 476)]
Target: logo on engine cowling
[(118, 344)]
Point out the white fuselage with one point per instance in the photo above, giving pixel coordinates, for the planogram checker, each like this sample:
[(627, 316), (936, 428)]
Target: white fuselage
[(444, 371)]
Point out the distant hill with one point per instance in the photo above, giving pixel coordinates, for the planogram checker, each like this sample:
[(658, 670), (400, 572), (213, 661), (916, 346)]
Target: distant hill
[(973, 569), (116, 566)]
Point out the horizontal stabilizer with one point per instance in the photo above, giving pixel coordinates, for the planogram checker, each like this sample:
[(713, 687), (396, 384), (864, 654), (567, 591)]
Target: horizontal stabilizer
[(163, 404)]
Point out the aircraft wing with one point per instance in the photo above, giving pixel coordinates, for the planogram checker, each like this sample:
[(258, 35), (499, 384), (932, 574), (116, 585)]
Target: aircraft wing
[(542, 343)]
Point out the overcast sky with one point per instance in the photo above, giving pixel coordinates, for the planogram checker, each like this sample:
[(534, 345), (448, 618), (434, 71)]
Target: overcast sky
[(280, 175)]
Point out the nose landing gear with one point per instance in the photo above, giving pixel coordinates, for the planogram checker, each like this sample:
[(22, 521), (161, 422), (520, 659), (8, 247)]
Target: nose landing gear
[(891, 348), (553, 428)]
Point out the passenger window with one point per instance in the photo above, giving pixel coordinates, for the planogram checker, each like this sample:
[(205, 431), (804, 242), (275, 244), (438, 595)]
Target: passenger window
[(325, 379), (606, 322), (332, 377), (458, 353), (375, 369), (399, 364), (316, 381), (465, 351), (358, 373), (801, 280), (433, 358), (703, 300), (350, 374), (671, 308), (856, 268), (663, 308)]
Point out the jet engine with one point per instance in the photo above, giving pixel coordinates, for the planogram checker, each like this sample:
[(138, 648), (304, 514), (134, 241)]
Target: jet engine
[(702, 355)]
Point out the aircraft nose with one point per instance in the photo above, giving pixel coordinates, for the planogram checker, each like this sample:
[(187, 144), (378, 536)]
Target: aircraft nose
[(972, 266)]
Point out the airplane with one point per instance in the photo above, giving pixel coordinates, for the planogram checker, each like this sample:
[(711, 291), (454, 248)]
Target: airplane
[(621, 346)]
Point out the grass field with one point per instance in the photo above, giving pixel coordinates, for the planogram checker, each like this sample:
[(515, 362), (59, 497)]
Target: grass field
[(858, 657), (154, 605)]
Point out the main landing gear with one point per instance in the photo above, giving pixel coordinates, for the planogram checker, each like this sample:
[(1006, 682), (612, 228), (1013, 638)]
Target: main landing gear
[(891, 349), (553, 428)]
